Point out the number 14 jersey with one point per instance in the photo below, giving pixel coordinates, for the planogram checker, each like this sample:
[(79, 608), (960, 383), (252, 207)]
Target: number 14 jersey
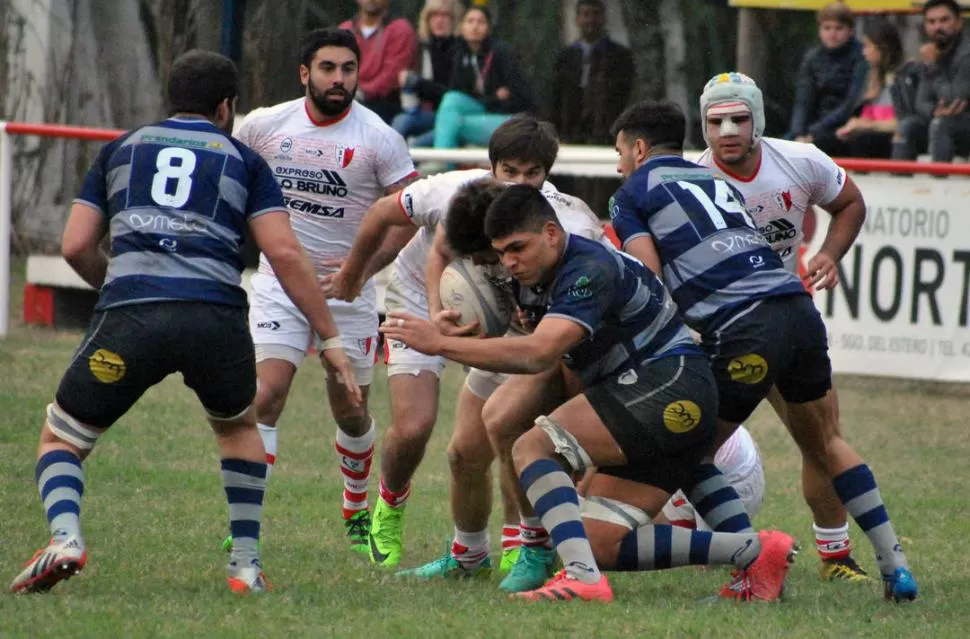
[(713, 258)]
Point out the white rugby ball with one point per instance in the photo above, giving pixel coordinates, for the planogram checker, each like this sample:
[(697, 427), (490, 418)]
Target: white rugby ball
[(464, 288)]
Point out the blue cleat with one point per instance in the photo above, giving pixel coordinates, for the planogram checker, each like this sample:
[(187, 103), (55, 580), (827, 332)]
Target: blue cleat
[(900, 586)]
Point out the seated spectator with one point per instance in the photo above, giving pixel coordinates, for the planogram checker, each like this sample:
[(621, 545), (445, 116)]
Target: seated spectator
[(945, 90), (487, 86), (831, 80), (387, 47), (592, 80), (870, 134), (422, 88), (912, 126)]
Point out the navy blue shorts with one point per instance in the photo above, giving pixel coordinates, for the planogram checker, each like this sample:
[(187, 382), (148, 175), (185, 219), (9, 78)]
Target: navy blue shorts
[(663, 416), (779, 341), (129, 349)]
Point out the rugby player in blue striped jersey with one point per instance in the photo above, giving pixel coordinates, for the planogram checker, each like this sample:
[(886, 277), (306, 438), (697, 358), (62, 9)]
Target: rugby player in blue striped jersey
[(175, 199)]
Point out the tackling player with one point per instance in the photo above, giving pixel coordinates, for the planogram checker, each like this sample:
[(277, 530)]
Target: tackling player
[(641, 401), (756, 321), (521, 150), (333, 158), (175, 198), (780, 181)]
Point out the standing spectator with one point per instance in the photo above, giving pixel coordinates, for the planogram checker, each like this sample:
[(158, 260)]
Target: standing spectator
[(422, 88), (592, 81), (590, 88), (831, 80), (387, 47), (870, 134), (487, 86), (912, 126), (945, 89)]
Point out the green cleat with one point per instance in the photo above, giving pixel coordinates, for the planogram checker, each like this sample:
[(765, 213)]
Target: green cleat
[(358, 528), (509, 557), (449, 568), (385, 535), (533, 568)]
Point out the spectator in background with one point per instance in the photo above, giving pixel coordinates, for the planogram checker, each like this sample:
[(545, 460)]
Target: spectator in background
[(945, 90), (590, 88), (912, 126), (592, 81), (387, 47), (487, 86), (870, 134), (423, 87), (831, 80)]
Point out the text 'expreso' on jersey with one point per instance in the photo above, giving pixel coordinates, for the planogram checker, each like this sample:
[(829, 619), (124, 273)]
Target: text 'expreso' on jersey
[(714, 260)]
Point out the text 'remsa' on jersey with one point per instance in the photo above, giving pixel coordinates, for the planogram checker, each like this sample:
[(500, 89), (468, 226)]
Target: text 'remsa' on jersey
[(714, 259), (177, 197), (330, 172), (627, 313)]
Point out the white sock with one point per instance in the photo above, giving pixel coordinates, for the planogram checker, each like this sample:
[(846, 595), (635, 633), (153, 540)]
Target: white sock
[(268, 433), (356, 454), (470, 548), (832, 543)]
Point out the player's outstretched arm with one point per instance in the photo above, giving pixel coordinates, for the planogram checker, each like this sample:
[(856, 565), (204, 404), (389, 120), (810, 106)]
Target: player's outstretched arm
[(527, 355), (275, 238), (385, 213), (644, 249), (79, 245)]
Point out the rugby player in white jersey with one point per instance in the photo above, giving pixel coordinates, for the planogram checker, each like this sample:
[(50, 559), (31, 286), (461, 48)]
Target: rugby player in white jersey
[(780, 181), (521, 150), (333, 158)]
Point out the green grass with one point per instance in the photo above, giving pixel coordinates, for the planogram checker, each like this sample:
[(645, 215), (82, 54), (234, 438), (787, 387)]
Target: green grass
[(154, 516)]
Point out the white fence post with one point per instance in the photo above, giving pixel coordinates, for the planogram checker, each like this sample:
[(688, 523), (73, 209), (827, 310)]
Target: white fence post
[(6, 226)]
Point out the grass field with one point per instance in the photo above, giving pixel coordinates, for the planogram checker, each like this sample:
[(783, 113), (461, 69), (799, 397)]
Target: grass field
[(154, 517)]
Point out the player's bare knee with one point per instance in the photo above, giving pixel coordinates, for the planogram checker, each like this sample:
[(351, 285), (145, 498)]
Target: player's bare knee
[(604, 541), (270, 399), (468, 460), (353, 424), (415, 429)]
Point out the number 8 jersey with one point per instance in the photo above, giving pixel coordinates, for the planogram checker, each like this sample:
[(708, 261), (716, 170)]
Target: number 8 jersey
[(176, 197), (714, 260)]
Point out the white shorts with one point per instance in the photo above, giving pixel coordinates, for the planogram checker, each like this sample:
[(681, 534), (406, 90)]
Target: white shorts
[(483, 384), (403, 295), (751, 490), (280, 331)]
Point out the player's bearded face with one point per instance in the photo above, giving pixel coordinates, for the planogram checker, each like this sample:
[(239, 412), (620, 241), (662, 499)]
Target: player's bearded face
[(730, 132), (332, 100)]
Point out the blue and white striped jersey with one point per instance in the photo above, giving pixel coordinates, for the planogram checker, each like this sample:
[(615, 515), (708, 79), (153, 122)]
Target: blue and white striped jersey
[(177, 196), (628, 315), (713, 257)]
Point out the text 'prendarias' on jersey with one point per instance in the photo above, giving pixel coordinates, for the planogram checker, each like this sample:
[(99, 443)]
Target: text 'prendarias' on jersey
[(177, 196)]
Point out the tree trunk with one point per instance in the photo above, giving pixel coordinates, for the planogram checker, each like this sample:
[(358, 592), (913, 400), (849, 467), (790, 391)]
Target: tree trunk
[(675, 59), (646, 42), (752, 44)]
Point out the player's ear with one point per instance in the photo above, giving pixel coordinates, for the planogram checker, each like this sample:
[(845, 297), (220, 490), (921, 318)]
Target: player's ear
[(304, 75), (224, 111), (640, 150)]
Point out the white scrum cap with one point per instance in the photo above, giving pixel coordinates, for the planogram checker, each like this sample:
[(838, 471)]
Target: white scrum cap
[(734, 90)]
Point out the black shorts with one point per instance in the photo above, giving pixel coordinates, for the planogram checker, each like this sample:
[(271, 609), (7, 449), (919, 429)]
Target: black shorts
[(663, 416), (779, 341), (131, 348)]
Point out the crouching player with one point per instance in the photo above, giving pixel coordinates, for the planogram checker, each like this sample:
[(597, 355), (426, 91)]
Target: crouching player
[(643, 406)]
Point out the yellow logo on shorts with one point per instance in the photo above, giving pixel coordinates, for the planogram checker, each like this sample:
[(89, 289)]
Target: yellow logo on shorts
[(748, 369), (108, 367), (681, 416)]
